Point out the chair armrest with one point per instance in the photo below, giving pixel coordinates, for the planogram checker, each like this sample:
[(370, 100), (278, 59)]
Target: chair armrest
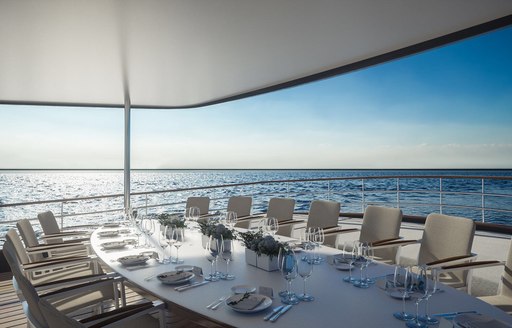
[(385, 241), (288, 222), (56, 263), (65, 234), (118, 316), (53, 247), (472, 265), (450, 261), (249, 217), (339, 231), (400, 242), (84, 287), (61, 283)]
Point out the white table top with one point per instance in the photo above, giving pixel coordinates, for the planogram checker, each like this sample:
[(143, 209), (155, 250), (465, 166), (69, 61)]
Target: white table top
[(336, 303)]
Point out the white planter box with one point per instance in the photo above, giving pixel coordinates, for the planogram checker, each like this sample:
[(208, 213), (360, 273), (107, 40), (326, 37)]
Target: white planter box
[(251, 257), (263, 261)]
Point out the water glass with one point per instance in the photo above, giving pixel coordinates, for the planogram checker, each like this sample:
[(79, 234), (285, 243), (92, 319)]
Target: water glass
[(230, 219), (227, 255), (403, 282), (162, 242), (361, 261), (318, 238), (192, 214), (349, 256), (430, 289), (422, 292), (212, 250), (177, 241), (271, 225), (289, 267), (305, 269)]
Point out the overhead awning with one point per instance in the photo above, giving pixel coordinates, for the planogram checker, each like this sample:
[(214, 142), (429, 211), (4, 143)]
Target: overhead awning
[(187, 53)]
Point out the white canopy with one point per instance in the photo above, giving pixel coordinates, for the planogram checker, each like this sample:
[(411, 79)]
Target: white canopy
[(186, 53)]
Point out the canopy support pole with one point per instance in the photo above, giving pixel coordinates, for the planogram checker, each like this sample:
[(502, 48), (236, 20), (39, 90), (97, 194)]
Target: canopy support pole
[(127, 124)]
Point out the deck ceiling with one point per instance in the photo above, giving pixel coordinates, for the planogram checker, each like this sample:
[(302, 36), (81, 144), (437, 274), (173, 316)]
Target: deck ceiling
[(187, 53)]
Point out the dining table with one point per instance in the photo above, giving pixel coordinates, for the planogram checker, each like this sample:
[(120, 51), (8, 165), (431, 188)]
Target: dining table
[(336, 303)]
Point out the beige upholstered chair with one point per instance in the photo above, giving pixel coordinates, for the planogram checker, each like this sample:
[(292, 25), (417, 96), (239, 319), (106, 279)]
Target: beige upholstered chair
[(241, 205), (54, 234), (31, 242), (324, 214), (503, 299), (279, 208), (381, 224), (61, 303), (42, 272), (203, 203), (446, 240)]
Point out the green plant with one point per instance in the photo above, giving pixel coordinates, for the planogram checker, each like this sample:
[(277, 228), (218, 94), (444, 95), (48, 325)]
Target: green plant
[(260, 244), (212, 228), (173, 220)]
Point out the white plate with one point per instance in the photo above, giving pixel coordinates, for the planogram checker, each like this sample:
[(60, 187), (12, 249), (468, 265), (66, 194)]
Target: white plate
[(168, 277), (262, 306), (133, 259), (242, 289), (108, 233), (113, 245)]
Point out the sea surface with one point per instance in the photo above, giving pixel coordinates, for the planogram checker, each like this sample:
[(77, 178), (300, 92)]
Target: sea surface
[(414, 199)]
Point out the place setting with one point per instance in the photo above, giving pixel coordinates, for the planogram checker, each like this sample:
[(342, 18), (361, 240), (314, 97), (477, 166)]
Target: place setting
[(245, 299)]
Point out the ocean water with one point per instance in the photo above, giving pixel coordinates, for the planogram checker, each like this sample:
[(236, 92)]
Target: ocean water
[(29, 186)]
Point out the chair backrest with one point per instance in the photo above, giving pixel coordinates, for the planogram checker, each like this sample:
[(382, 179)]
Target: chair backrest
[(240, 205), (506, 278), (17, 246), (323, 214), (445, 236), (28, 236), (202, 202), (281, 208), (48, 223), (380, 223), (25, 287)]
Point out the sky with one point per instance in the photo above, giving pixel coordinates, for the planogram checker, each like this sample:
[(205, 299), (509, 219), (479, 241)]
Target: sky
[(449, 107)]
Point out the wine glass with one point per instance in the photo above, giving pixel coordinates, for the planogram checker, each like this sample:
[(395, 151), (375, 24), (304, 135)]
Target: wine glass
[(271, 226), (361, 261), (305, 269), (404, 283), (192, 214), (177, 237), (282, 252), (227, 255), (289, 271), (318, 239), (148, 230), (162, 242), (430, 289), (422, 290), (138, 229), (230, 219), (212, 249), (349, 256)]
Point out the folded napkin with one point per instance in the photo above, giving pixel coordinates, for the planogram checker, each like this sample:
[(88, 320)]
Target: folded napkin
[(175, 276), (473, 320), (246, 301)]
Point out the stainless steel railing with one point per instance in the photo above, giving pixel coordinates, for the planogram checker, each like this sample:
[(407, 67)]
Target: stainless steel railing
[(362, 191)]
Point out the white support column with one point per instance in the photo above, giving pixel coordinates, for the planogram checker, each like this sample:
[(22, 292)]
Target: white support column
[(127, 136)]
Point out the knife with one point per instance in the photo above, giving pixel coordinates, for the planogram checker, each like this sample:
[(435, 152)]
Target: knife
[(274, 311), (278, 314), (452, 314), (196, 284)]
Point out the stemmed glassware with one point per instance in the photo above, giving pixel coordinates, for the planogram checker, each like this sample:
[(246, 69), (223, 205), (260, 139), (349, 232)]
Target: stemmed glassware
[(138, 230), (230, 219), (192, 214), (318, 238), (177, 241), (288, 267), (162, 242), (422, 290), (213, 248), (148, 226), (404, 283), (305, 269), (430, 289), (361, 261), (349, 256), (227, 255), (271, 226)]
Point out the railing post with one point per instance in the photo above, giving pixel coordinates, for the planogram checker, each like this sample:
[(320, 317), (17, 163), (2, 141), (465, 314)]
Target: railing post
[(62, 215), (441, 195), (483, 201), (398, 192), (362, 193)]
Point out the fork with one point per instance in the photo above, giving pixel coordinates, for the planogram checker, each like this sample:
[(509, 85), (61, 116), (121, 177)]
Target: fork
[(215, 304)]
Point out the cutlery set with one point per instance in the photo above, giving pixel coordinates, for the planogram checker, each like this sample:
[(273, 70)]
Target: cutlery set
[(216, 304), (192, 285), (272, 317)]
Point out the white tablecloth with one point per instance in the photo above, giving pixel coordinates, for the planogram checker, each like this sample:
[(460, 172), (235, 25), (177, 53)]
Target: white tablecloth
[(336, 304)]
